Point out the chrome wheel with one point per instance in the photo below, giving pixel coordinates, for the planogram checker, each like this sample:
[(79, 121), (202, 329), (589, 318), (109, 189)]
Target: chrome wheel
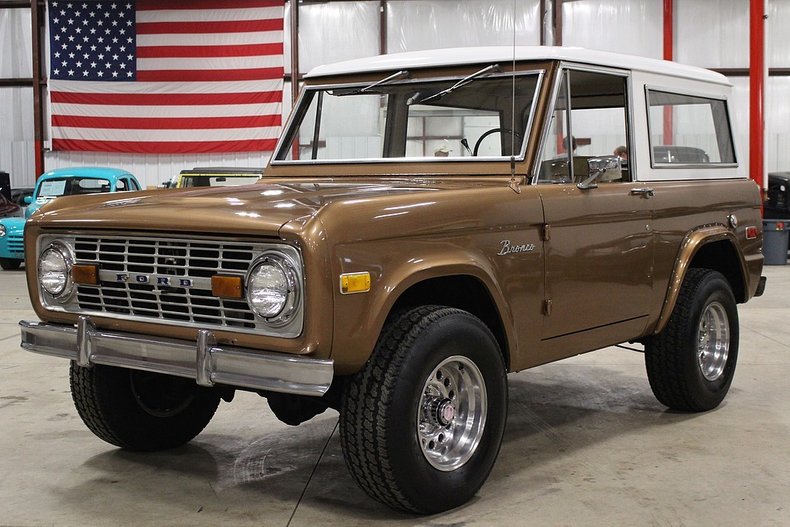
[(713, 341), (452, 413)]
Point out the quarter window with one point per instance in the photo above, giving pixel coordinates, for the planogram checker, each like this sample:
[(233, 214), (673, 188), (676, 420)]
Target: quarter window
[(688, 130)]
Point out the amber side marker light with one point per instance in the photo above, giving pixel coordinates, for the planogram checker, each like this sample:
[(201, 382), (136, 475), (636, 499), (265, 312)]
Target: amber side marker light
[(227, 286), (85, 274), (354, 283)]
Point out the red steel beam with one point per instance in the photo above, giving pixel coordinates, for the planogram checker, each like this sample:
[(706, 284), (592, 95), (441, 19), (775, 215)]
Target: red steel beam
[(669, 54), (756, 90)]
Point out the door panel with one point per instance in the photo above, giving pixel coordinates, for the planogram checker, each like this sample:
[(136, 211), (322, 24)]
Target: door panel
[(599, 251), (599, 257)]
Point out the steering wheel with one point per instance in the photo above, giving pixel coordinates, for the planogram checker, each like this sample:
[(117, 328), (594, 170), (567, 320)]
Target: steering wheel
[(493, 131)]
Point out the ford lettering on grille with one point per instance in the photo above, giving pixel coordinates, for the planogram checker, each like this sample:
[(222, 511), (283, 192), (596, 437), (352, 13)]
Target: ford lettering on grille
[(167, 280)]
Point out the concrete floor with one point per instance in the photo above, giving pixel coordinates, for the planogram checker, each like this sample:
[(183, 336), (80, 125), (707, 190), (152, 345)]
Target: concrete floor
[(586, 444)]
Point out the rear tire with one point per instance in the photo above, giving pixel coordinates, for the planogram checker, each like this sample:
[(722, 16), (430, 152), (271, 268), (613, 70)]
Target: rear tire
[(421, 424), (10, 264), (691, 363), (138, 410)]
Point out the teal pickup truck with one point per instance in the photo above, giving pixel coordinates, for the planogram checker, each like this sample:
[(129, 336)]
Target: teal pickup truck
[(51, 185)]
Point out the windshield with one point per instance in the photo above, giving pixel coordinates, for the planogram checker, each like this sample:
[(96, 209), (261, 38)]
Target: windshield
[(425, 119), (217, 181), (69, 186)]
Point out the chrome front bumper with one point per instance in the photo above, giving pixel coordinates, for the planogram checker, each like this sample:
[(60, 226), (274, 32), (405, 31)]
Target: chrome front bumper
[(204, 361)]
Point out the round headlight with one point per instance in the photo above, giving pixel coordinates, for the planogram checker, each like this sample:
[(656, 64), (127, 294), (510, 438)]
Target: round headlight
[(272, 288), (2, 230), (54, 269)]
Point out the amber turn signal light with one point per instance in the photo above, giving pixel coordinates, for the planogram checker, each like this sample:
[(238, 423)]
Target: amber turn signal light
[(85, 274), (227, 286), (354, 283)]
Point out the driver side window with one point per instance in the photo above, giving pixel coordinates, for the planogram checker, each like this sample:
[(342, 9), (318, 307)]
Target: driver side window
[(589, 121)]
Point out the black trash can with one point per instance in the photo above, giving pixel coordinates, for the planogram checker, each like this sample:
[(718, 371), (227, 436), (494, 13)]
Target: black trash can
[(775, 242)]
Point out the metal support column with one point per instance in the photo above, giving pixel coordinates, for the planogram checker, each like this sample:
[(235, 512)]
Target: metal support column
[(39, 82), (669, 54), (294, 51), (756, 91), (383, 36)]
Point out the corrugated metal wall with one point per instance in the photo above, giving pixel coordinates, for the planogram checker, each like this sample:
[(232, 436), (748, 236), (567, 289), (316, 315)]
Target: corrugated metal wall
[(16, 103)]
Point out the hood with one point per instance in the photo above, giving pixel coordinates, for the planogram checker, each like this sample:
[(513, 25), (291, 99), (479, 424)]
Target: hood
[(258, 209)]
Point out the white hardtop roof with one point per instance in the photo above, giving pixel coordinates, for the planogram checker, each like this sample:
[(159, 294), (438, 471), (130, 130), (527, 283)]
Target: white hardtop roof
[(482, 55)]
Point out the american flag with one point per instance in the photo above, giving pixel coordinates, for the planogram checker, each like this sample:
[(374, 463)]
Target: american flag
[(166, 76)]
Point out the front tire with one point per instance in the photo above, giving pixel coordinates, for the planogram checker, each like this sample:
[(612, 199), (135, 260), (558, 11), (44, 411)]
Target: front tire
[(138, 410), (10, 264), (421, 424), (691, 363)]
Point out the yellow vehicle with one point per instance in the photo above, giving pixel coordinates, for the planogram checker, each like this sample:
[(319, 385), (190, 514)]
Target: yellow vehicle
[(215, 177)]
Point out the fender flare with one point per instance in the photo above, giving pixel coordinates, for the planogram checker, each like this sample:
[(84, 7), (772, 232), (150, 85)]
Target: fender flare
[(479, 272), (401, 278), (689, 247)]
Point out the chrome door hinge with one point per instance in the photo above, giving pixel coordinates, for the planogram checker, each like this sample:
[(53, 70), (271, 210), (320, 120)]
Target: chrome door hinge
[(547, 307), (545, 232)]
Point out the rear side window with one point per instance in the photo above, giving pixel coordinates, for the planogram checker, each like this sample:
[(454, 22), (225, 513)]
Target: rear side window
[(688, 130)]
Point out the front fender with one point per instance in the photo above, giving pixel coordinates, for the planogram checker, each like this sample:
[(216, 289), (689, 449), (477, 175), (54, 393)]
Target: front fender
[(359, 318)]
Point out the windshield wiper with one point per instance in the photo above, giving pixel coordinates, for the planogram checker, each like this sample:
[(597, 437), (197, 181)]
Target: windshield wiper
[(493, 68), (403, 74)]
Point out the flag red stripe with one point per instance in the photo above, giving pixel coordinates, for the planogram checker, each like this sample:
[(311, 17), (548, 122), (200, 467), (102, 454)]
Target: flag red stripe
[(234, 26), (251, 74), (166, 123), (172, 99), (247, 50), (156, 5), (165, 147)]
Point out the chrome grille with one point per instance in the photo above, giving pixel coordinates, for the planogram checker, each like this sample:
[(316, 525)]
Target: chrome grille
[(192, 260), (16, 243)]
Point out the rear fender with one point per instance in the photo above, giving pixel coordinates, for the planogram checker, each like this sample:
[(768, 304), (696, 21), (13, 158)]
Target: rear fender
[(689, 248)]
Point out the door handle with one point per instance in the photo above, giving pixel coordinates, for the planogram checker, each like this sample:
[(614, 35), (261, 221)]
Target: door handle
[(646, 192)]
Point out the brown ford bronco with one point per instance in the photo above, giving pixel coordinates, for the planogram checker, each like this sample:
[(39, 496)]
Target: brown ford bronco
[(429, 222)]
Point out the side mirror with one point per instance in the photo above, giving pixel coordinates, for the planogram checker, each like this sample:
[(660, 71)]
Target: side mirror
[(603, 168), (28, 200)]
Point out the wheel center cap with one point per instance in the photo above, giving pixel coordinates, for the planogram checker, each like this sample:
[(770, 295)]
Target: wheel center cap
[(446, 412)]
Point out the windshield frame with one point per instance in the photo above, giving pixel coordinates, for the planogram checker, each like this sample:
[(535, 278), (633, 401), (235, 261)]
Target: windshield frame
[(301, 107)]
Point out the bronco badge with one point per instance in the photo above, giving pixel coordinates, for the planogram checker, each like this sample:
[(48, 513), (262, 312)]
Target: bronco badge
[(508, 247)]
